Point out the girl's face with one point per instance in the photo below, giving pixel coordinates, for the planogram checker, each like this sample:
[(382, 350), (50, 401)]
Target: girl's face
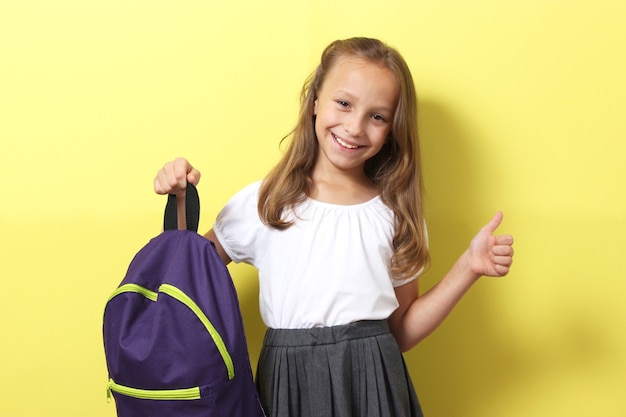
[(355, 110)]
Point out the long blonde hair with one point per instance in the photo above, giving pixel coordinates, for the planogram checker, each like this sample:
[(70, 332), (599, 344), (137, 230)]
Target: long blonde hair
[(395, 170)]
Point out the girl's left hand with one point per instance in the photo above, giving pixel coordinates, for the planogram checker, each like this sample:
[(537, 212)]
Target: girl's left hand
[(489, 254)]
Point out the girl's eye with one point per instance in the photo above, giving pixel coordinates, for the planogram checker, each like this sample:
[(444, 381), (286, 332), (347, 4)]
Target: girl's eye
[(343, 103), (378, 118)]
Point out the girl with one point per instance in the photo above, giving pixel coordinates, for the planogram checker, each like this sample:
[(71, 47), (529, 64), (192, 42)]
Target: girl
[(337, 233)]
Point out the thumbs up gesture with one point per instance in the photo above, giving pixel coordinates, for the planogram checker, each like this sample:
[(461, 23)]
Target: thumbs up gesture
[(491, 254)]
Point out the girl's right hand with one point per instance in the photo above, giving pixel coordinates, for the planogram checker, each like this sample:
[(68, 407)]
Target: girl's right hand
[(174, 176)]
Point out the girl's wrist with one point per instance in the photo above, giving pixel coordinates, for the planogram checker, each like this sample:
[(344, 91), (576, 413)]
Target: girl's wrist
[(466, 269)]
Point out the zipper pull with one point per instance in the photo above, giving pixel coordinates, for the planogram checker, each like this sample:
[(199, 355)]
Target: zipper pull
[(109, 392)]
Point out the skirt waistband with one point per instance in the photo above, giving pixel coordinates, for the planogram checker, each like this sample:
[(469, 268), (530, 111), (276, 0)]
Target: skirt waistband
[(326, 335)]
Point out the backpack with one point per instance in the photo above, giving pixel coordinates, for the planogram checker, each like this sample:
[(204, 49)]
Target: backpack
[(173, 334)]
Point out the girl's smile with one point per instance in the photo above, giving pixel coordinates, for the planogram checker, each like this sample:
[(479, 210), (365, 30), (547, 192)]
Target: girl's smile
[(344, 144)]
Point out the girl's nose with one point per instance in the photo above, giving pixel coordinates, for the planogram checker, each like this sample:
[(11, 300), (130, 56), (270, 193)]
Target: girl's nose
[(353, 125)]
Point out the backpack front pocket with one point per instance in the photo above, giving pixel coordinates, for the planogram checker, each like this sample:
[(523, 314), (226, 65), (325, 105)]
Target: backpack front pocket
[(178, 295)]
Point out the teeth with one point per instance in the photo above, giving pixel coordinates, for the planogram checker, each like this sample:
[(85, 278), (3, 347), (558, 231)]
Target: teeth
[(344, 144)]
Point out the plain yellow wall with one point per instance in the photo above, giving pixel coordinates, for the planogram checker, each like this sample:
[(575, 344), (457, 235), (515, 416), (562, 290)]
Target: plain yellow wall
[(522, 110)]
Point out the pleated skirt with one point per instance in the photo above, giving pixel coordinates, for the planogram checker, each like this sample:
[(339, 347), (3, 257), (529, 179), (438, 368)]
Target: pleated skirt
[(354, 370)]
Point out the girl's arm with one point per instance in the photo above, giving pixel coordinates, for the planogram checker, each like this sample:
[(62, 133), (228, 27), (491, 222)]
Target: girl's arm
[(418, 316), (220, 250)]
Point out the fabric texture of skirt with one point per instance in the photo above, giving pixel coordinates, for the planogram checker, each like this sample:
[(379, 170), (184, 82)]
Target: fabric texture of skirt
[(354, 370)]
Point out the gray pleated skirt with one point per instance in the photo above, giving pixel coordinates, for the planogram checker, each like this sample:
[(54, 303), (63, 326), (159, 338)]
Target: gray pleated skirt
[(354, 370)]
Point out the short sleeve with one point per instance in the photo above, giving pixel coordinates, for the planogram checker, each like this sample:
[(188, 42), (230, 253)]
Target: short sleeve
[(400, 282), (238, 225)]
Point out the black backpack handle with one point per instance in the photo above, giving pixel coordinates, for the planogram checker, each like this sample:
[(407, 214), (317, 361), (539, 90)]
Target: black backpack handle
[(192, 210)]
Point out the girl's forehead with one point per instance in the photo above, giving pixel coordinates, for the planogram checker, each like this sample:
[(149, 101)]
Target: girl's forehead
[(357, 75), (354, 68), (353, 63)]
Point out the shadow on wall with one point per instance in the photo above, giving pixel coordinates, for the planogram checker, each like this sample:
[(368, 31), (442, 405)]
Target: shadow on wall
[(460, 361), (483, 360)]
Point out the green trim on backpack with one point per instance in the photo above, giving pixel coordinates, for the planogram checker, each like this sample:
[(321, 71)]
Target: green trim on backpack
[(156, 394), (150, 295)]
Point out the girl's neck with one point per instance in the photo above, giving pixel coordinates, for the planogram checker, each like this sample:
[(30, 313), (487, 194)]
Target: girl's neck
[(342, 190)]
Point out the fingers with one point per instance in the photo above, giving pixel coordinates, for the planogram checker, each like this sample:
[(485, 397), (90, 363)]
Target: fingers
[(503, 249), (504, 240), (173, 177), (494, 222), (193, 177), (502, 258), (185, 173), (502, 270)]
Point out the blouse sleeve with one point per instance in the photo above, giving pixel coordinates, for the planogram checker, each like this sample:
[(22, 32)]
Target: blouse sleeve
[(400, 282), (238, 225)]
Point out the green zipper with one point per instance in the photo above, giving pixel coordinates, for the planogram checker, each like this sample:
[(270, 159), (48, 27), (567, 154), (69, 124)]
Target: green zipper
[(150, 295), (146, 394), (217, 339), (179, 295)]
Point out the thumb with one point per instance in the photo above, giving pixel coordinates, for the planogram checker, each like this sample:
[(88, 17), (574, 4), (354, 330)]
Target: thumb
[(494, 223), (193, 176)]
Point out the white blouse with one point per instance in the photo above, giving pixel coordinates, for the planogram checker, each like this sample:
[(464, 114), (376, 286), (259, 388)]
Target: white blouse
[(330, 268)]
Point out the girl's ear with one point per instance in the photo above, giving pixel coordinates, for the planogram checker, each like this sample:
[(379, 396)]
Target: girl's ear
[(315, 107)]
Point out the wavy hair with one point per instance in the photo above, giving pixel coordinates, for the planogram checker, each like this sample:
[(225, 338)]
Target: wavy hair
[(395, 170)]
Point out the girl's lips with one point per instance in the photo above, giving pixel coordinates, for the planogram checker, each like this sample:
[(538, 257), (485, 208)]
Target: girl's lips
[(343, 143)]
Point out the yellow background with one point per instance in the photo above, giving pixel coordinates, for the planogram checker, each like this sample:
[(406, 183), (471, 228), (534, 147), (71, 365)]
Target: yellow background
[(522, 110)]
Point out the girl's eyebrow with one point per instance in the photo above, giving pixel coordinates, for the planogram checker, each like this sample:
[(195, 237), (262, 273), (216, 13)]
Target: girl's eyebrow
[(346, 93)]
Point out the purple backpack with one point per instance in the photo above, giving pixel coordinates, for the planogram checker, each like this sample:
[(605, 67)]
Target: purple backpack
[(173, 334)]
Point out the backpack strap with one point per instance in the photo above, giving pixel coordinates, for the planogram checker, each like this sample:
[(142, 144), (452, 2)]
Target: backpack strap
[(192, 210)]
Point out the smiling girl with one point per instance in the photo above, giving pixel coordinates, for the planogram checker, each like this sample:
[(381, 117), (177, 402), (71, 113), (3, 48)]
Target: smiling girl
[(337, 233)]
